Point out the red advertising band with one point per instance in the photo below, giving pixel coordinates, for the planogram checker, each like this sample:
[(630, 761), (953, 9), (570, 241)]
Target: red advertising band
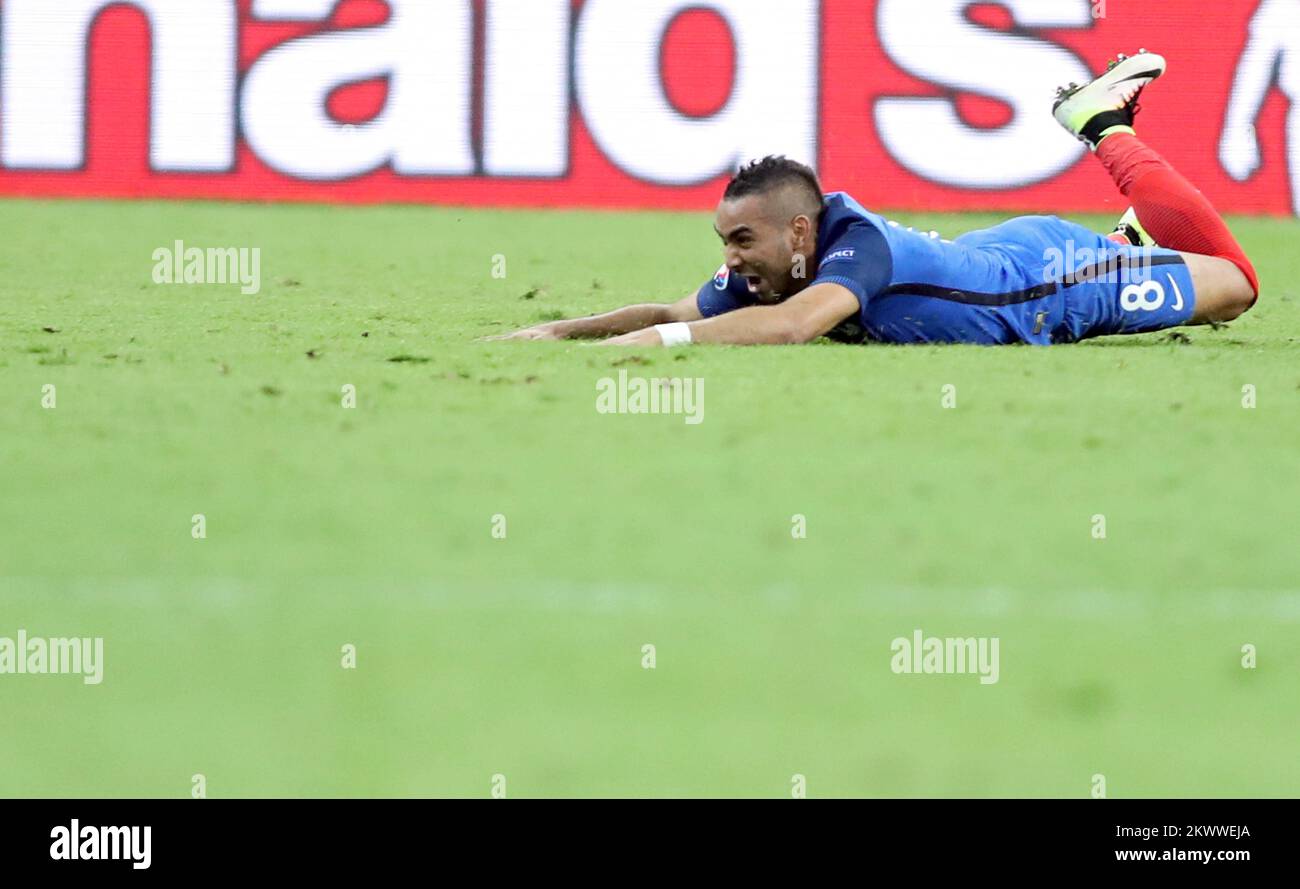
[(601, 103)]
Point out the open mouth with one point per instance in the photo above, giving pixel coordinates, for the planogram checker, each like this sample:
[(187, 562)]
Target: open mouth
[(754, 282)]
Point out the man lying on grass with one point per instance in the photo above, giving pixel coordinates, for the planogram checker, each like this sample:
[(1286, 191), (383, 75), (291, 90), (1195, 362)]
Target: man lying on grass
[(802, 265)]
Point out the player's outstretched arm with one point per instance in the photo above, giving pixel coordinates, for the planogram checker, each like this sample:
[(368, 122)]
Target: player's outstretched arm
[(800, 319), (624, 320)]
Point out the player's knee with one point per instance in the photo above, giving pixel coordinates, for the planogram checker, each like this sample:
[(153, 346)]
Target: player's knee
[(1225, 290), (1242, 292), (1251, 295), (1228, 304)]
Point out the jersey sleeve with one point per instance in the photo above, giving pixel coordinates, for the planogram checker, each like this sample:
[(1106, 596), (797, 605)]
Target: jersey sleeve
[(858, 260), (725, 293)]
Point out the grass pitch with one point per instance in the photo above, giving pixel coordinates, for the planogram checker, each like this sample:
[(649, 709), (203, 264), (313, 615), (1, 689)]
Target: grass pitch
[(522, 656)]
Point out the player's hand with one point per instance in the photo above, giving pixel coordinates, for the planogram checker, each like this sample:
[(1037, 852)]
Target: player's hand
[(1239, 152), (549, 331)]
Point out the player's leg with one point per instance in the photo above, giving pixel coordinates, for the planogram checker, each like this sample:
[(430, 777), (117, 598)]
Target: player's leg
[(1169, 211), (1223, 292), (1174, 214)]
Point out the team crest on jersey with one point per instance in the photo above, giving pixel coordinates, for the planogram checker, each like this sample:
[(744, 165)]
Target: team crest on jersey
[(722, 278)]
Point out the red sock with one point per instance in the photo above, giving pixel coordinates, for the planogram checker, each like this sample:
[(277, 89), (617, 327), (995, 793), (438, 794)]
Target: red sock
[(1172, 210)]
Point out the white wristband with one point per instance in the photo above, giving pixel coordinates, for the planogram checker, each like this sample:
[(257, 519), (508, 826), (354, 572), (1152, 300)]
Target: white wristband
[(675, 334)]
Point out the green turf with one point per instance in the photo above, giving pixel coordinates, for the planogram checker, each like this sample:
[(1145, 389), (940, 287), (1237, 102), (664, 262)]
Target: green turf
[(522, 657)]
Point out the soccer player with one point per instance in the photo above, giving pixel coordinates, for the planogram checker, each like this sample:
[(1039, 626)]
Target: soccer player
[(801, 265)]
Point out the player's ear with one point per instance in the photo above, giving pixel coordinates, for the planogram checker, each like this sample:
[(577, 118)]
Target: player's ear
[(802, 226)]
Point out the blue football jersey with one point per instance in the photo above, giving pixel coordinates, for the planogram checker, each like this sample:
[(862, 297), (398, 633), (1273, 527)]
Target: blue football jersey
[(1017, 282)]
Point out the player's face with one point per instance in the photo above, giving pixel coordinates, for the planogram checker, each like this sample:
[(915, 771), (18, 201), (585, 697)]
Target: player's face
[(760, 245)]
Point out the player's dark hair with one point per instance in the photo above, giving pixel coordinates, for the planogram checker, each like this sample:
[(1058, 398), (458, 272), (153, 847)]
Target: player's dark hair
[(773, 171)]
